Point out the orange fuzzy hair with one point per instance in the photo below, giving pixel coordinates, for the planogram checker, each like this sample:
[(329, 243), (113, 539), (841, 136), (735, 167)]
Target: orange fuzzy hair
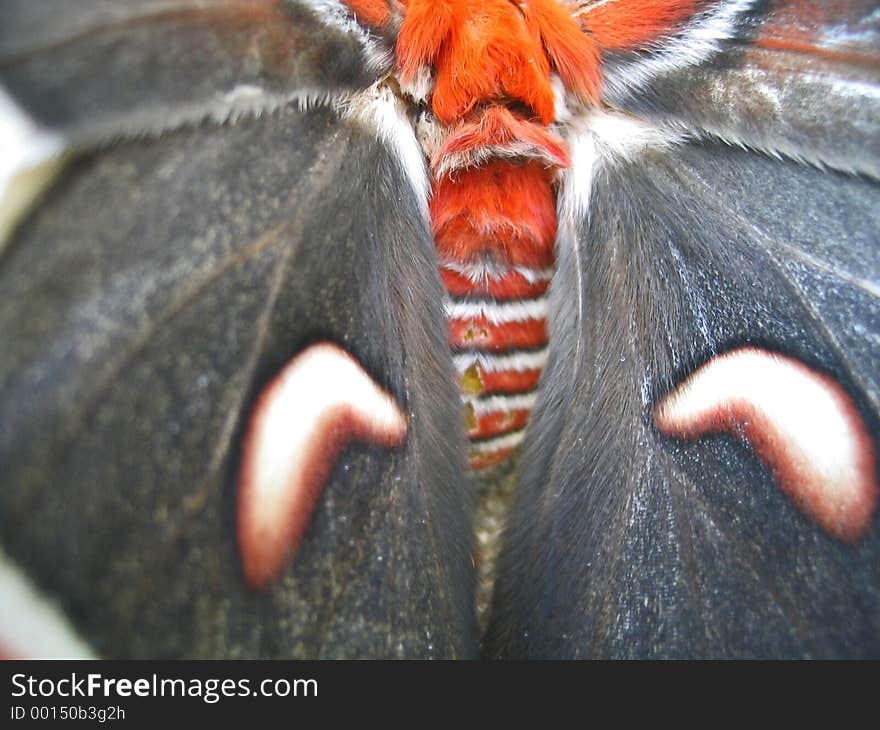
[(494, 424), (574, 55), (502, 208), (497, 127), (496, 50), (622, 25), (374, 13)]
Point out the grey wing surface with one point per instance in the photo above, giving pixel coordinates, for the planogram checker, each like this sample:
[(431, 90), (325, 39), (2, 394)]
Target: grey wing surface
[(739, 223), (99, 69), (155, 290), (627, 543)]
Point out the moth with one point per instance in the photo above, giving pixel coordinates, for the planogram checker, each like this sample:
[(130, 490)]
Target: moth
[(285, 283)]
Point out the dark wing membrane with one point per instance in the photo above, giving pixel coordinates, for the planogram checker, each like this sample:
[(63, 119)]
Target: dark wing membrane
[(795, 77), (626, 543), (99, 69), (145, 305)]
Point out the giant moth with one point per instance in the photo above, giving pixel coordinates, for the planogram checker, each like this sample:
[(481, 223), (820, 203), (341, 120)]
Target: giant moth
[(274, 271)]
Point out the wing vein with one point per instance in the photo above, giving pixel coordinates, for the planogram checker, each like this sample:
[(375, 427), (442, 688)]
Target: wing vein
[(315, 181), (106, 376)]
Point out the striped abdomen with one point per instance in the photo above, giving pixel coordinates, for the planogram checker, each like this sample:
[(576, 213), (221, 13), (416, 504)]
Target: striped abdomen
[(494, 227), (493, 209)]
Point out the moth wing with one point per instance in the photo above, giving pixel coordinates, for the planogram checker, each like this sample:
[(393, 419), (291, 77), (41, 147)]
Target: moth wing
[(786, 77), (97, 70), (702, 219), (625, 542), (675, 248), (149, 299)]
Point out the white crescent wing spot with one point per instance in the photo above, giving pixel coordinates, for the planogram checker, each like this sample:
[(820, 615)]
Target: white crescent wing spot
[(33, 625), (320, 401), (801, 424)]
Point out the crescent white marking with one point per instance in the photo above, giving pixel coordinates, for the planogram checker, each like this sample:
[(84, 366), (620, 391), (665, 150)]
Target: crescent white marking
[(32, 626), (801, 423), (30, 157), (320, 401)]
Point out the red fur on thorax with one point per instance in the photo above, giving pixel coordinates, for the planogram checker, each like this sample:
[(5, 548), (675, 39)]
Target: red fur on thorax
[(480, 50), (574, 55), (494, 49)]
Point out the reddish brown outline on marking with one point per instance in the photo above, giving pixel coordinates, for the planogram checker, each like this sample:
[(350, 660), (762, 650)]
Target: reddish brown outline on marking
[(743, 418)]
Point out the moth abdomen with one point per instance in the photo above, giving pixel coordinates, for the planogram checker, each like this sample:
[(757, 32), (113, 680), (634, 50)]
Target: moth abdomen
[(493, 206), (494, 227)]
